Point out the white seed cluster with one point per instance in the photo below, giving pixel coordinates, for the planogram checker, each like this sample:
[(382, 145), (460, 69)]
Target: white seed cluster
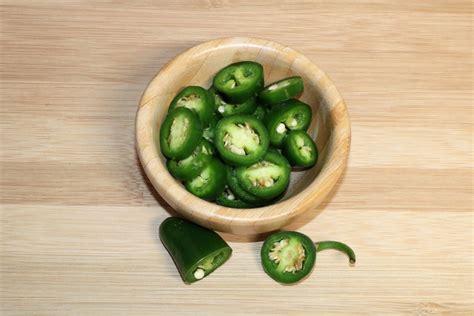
[(275, 255)]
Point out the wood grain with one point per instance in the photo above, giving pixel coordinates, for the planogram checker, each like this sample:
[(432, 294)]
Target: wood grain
[(79, 220)]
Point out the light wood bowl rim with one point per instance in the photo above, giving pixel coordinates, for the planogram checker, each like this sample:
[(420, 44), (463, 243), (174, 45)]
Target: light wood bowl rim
[(243, 221)]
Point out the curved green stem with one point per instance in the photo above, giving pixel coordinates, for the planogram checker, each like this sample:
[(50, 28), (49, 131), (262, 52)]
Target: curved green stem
[(329, 244)]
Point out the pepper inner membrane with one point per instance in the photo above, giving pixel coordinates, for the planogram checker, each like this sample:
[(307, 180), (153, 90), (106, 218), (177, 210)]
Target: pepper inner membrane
[(241, 139), (288, 254), (263, 174), (208, 264), (237, 77), (190, 101), (178, 131), (303, 148)]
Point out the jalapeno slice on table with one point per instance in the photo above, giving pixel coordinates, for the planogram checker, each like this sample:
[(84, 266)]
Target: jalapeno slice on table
[(239, 81), (300, 149), (180, 133), (282, 90), (241, 139), (196, 251), (191, 166), (266, 178), (229, 199), (288, 115), (288, 256), (197, 99), (210, 182)]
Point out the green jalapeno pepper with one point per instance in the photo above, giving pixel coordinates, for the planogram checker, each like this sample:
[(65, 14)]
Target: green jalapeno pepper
[(196, 251), (191, 166), (208, 132), (197, 99), (259, 113), (230, 199), (288, 257), (180, 133), (210, 182), (226, 109), (266, 178), (288, 115), (300, 149), (282, 90), (237, 189), (239, 81), (241, 139)]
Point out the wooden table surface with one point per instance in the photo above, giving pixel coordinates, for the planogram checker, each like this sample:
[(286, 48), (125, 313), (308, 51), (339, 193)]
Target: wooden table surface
[(79, 219)]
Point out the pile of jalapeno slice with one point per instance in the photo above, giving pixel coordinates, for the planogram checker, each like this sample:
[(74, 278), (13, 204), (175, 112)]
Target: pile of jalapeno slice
[(235, 143)]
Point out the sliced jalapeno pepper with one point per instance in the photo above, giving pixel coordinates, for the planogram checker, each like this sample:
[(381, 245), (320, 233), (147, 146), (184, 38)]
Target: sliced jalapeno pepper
[(180, 133), (196, 251), (300, 149), (210, 182), (239, 81), (230, 199), (191, 166), (266, 178), (288, 115), (282, 90), (237, 189), (288, 257), (197, 99), (226, 109), (208, 132), (259, 113), (241, 139)]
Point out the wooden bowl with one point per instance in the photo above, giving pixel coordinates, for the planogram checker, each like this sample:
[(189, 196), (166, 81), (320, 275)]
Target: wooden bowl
[(197, 66)]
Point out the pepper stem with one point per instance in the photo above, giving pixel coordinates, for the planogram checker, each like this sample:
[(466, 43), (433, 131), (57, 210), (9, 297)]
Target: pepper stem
[(329, 244)]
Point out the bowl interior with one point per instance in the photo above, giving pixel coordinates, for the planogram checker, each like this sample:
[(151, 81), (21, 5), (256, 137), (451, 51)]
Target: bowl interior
[(202, 68), (197, 66)]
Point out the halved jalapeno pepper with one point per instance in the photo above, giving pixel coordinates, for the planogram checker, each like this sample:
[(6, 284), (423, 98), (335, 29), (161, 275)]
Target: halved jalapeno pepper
[(239, 81), (226, 109), (196, 251), (197, 99), (180, 133), (282, 90), (266, 178), (229, 199), (241, 139), (288, 115), (288, 257), (210, 182), (300, 149), (259, 113), (191, 166)]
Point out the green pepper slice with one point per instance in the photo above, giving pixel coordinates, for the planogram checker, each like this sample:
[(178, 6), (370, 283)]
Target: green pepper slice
[(197, 99), (241, 140), (191, 166), (180, 133), (237, 189), (229, 199), (226, 109), (282, 90), (239, 81), (210, 182), (300, 149), (196, 251), (259, 113), (288, 256), (266, 178), (208, 132), (288, 115)]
